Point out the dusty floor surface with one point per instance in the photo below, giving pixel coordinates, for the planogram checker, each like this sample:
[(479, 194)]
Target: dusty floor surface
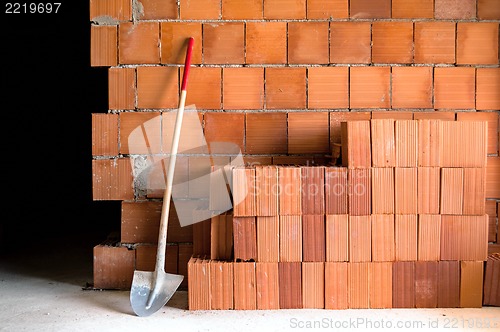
[(44, 291)]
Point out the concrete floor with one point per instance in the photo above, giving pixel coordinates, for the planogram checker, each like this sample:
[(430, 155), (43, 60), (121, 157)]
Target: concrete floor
[(43, 290)]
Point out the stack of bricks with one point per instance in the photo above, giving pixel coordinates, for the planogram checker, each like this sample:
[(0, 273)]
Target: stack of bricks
[(402, 225), (275, 78)]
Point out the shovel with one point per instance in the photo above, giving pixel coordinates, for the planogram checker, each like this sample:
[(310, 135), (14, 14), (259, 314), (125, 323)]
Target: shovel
[(150, 291)]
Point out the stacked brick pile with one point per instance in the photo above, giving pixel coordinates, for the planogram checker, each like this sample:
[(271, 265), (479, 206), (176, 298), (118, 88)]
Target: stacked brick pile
[(275, 78), (402, 225)]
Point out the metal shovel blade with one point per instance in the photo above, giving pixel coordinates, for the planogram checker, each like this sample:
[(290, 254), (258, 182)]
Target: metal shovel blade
[(143, 284)]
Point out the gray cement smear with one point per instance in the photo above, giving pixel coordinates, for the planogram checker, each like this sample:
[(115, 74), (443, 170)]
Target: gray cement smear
[(105, 20), (150, 152)]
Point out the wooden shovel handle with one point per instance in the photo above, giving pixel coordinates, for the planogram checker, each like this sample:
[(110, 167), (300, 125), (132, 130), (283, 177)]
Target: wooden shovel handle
[(162, 236)]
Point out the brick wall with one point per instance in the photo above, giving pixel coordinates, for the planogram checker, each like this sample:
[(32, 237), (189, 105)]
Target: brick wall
[(276, 78)]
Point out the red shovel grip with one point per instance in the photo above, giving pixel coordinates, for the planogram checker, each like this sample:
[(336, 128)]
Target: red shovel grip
[(187, 63)]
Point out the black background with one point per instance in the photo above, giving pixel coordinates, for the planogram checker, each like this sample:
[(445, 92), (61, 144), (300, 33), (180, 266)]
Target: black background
[(49, 91)]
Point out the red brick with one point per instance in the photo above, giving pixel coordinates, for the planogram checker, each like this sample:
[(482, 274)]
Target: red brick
[(434, 115), (191, 138), (200, 9), (369, 87), (174, 37), (392, 114), (356, 148), (285, 88), (382, 190), (493, 123), (358, 285), (491, 211), (429, 236), (120, 10), (221, 285), (406, 237), (266, 42), (267, 286), (253, 160), (336, 118), (157, 87), (104, 134), (140, 222), (308, 133), (218, 131), (383, 245), (412, 87), (233, 10), (463, 143), (284, 9), (426, 284), (454, 88), (157, 10), (360, 238), (471, 284), (113, 267), (493, 177), (313, 238), (245, 238), (204, 88), (336, 282), (406, 143), (293, 160), (224, 43), (350, 42), (140, 132), (383, 144), (198, 272), (380, 284), (328, 87), (266, 133), (413, 9), (139, 43), (221, 237), (145, 258), (360, 9), (313, 285), (121, 88), (488, 10), (429, 141), (156, 176), (405, 193), (185, 253), (290, 285), (290, 238), (337, 238), (112, 179), (313, 191), (103, 45), (488, 85), (319, 9), (455, 9), (403, 285), (434, 42), (243, 88), (290, 200), (477, 43), (308, 42), (449, 284), (268, 243), (392, 42), (428, 190), (199, 169)]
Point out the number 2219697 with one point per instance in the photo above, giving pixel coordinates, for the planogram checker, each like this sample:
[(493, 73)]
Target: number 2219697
[(32, 8)]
